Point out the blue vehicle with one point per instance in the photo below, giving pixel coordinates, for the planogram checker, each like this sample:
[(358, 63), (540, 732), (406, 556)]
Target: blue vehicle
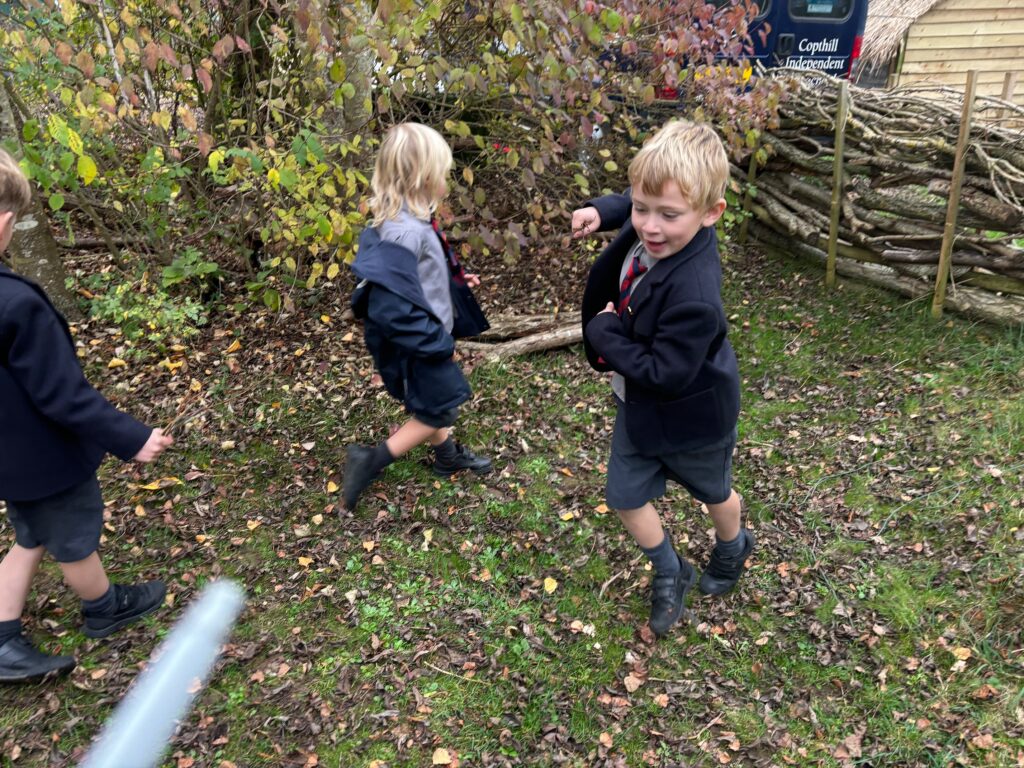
[(822, 35)]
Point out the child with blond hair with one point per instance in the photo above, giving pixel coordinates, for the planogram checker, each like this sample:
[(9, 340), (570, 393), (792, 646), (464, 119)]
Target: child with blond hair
[(54, 431), (653, 315), (414, 299)]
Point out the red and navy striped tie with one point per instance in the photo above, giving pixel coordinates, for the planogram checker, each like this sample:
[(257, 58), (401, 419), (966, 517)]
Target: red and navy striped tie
[(635, 270)]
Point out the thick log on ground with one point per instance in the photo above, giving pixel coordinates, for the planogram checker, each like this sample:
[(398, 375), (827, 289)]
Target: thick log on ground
[(562, 336), (505, 327)]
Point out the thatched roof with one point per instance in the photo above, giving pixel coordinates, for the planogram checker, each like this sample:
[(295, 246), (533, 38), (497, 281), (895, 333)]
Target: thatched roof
[(888, 22)]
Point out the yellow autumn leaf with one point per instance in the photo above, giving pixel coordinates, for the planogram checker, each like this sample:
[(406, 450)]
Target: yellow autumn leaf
[(116, 362), (161, 119), (550, 585), (75, 142), (305, 562), (601, 509), (325, 319), (961, 653), (333, 270), (317, 519), (348, 336), (235, 346), (163, 482), (369, 544), (252, 525), (332, 487), (441, 757), (566, 516)]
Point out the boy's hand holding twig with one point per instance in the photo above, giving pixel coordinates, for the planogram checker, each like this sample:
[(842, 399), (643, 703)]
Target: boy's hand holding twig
[(155, 445), (610, 307), (585, 221), (472, 279)]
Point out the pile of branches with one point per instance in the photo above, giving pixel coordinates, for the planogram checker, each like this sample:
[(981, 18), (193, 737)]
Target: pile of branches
[(900, 148)]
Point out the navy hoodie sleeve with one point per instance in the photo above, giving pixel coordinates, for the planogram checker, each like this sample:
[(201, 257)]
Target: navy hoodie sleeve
[(675, 356), (41, 359), (410, 327)]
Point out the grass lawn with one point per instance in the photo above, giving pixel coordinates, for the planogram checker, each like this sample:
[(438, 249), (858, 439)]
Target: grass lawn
[(497, 621)]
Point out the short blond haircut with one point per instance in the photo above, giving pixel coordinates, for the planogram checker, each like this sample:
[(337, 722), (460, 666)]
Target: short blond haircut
[(15, 193), (691, 155), (413, 161)]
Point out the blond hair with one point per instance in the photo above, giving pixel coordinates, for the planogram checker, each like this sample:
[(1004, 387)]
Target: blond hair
[(15, 192), (691, 155), (412, 164)]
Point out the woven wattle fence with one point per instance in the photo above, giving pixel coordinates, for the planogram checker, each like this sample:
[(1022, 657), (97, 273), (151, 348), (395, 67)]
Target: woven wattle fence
[(920, 190)]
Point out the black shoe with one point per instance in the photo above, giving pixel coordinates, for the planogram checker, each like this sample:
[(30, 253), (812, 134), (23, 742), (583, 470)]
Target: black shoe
[(359, 473), (668, 597), (722, 573), (21, 661), (131, 603), (463, 459)]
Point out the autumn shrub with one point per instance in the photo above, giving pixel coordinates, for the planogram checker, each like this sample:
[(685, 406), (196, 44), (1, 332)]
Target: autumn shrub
[(248, 131)]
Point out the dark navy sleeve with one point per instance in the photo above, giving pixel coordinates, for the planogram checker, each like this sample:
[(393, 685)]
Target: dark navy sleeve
[(41, 359), (672, 360), (410, 327), (614, 210)]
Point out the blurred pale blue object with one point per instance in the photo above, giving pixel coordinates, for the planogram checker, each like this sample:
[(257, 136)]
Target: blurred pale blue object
[(137, 733)]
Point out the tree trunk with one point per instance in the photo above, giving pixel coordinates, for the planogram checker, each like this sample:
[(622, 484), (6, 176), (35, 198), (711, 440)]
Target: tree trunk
[(33, 251)]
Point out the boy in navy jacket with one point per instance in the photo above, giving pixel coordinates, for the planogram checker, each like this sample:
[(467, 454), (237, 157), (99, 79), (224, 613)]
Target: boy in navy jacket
[(652, 314), (54, 431), (409, 299)]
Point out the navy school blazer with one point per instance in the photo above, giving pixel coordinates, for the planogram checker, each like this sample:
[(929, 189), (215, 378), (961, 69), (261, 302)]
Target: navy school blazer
[(54, 427), (671, 346)]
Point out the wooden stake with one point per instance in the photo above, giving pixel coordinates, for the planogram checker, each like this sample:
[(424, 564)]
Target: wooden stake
[(842, 110), (1009, 86), (956, 184), (751, 175)]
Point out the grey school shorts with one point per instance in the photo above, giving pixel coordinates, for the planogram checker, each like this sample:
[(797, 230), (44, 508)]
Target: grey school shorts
[(68, 523), (438, 419), (633, 480)]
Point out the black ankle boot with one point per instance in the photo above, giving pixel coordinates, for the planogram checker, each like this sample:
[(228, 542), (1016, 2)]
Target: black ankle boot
[(463, 458), (722, 573), (131, 603)]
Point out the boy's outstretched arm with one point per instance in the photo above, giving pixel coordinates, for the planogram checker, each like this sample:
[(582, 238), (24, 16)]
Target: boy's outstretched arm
[(156, 444), (41, 358), (585, 221)]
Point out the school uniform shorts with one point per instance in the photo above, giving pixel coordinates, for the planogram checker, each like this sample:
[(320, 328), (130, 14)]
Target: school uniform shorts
[(67, 523), (436, 419), (633, 479)]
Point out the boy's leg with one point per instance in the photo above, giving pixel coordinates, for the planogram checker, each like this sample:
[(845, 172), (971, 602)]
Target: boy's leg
[(17, 570), (363, 464), (733, 545), (107, 607), (87, 578), (673, 576), (19, 660)]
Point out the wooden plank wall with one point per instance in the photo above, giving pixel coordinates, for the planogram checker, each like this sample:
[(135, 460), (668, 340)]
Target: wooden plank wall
[(958, 35)]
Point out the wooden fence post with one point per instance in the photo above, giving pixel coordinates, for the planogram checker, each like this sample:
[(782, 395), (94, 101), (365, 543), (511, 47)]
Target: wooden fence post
[(751, 175), (1009, 86), (949, 233), (842, 110)]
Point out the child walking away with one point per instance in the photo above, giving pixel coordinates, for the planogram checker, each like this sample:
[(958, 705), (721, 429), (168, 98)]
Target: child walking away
[(652, 314), (412, 296), (54, 431)]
